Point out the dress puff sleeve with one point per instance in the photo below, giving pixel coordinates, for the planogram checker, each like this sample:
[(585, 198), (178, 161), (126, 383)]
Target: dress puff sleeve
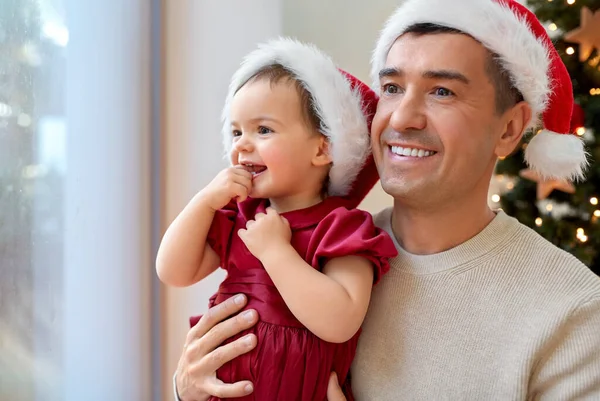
[(346, 232), (221, 228)]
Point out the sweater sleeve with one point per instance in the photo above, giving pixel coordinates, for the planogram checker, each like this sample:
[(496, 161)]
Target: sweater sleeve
[(570, 369)]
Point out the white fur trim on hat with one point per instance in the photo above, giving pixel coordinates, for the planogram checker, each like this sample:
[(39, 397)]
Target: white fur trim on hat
[(490, 22), (552, 155), (337, 105)]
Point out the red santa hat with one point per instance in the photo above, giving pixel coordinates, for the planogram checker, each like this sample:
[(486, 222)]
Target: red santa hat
[(343, 104), (514, 33)]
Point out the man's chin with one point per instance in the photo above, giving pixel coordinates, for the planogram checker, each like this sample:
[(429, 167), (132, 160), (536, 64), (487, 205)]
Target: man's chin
[(404, 190)]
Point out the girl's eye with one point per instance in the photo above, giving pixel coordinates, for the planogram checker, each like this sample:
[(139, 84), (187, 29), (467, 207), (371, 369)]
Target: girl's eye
[(264, 130), (235, 133)]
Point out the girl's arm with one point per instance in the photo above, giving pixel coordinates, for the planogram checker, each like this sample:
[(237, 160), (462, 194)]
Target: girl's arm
[(331, 304), (184, 257)]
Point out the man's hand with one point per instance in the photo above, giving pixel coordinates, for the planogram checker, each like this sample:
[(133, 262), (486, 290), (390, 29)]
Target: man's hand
[(334, 391), (196, 378), (267, 232)]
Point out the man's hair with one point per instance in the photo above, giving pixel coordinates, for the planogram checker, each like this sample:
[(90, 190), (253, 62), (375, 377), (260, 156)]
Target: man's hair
[(506, 93), (275, 74)]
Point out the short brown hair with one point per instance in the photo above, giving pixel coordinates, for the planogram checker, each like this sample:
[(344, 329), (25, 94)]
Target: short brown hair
[(506, 93), (276, 73)]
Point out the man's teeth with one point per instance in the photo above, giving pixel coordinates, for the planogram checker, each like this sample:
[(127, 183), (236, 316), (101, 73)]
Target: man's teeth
[(400, 151)]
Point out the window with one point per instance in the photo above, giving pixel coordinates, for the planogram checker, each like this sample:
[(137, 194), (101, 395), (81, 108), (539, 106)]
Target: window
[(75, 228)]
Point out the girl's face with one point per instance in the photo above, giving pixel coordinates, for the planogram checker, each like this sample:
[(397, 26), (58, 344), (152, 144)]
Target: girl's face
[(272, 139)]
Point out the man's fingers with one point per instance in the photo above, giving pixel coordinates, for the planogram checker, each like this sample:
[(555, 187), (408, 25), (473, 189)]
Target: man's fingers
[(215, 315), (224, 390), (220, 356), (334, 391), (225, 330)]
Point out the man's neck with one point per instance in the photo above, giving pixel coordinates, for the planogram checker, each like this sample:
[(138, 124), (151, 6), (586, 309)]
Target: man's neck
[(427, 232)]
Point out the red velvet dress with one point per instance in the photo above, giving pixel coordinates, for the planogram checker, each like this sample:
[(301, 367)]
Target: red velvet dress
[(290, 363)]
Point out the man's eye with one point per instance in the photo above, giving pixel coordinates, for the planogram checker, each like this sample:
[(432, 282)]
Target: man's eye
[(443, 92), (390, 89)]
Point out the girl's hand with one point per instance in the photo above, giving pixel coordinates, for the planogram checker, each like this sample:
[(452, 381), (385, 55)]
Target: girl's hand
[(267, 232), (233, 182)]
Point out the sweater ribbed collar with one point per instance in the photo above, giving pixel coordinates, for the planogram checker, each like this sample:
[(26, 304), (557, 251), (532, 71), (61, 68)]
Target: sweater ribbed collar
[(500, 230)]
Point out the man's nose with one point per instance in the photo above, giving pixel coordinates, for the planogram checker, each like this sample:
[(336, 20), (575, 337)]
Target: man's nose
[(409, 114)]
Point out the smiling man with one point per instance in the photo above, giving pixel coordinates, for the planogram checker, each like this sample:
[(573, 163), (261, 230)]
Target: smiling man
[(476, 305)]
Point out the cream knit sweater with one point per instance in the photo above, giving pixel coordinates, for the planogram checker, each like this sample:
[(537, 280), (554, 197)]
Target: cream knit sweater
[(504, 316)]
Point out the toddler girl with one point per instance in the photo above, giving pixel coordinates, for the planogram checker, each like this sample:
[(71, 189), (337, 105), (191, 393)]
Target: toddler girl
[(279, 223)]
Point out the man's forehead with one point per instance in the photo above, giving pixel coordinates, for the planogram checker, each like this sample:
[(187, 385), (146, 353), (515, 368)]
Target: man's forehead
[(442, 51)]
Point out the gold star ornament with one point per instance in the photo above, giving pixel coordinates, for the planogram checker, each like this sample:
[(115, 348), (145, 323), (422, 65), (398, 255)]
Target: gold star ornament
[(588, 33), (545, 187)]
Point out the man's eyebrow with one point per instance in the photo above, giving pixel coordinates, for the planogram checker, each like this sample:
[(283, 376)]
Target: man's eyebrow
[(446, 75), (451, 75), (390, 72)]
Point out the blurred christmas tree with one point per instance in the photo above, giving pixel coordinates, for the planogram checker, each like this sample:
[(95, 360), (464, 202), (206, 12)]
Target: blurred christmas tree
[(567, 215)]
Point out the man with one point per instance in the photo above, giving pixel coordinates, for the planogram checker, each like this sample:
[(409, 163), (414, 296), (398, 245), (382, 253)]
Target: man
[(476, 306)]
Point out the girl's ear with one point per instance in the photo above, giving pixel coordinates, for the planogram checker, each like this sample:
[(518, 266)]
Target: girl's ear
[(322, 156)]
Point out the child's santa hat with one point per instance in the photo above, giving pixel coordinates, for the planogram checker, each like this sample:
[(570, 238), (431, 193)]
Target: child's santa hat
[(343, 104), (512, 32)]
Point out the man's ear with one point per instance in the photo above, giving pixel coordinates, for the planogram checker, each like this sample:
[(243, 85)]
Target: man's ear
[(323, 155), (516, 121)]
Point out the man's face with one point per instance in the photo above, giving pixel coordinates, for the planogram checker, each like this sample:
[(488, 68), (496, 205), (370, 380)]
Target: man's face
[(436, 127)]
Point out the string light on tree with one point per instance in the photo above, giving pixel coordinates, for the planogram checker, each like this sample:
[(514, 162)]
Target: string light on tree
[(539, 222), (570, 51), (594, 201), (595, 61)]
